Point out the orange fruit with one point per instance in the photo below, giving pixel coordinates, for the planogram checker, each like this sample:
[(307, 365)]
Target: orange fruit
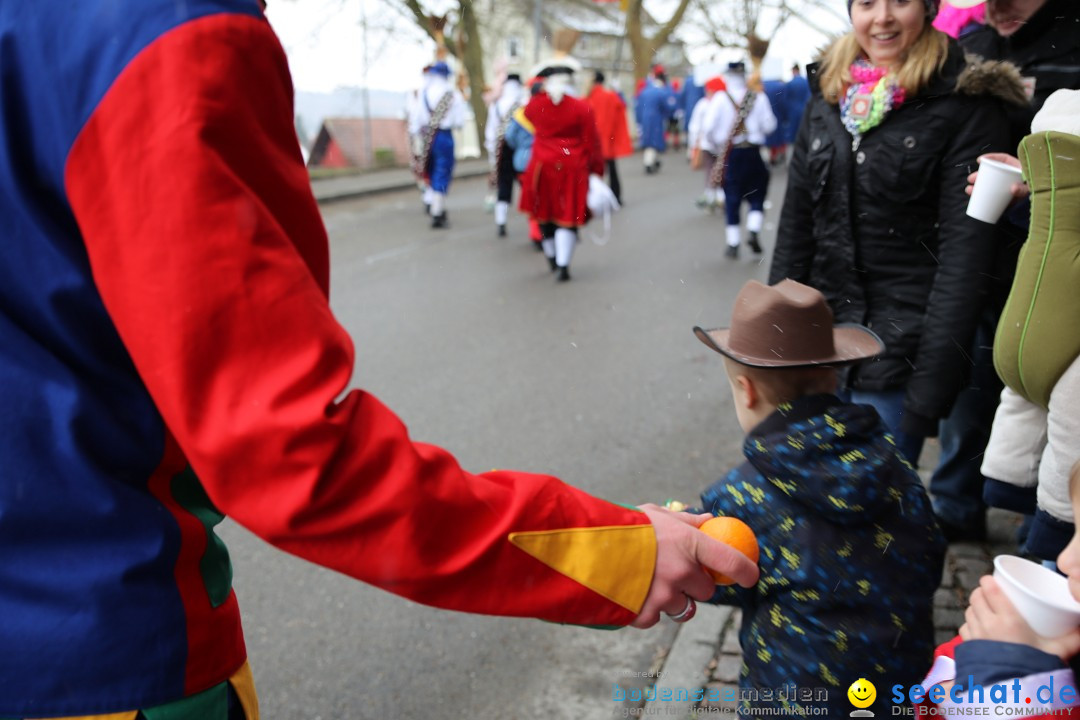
[(734, 532)]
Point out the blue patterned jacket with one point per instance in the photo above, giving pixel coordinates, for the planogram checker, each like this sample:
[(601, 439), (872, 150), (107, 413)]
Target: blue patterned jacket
[(850, 558)]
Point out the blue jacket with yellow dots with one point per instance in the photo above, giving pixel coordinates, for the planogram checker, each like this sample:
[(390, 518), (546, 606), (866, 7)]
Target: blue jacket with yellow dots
[(850, 559)]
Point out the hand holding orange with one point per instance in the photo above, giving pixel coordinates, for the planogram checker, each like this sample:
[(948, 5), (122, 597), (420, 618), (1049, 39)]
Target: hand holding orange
[(734, 532)]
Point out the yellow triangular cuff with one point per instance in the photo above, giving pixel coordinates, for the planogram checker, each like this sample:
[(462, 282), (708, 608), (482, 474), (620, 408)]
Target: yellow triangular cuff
[(519, 115), (616, 562)]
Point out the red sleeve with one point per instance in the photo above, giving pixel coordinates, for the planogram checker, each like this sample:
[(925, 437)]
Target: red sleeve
[(210, 255), (592, 143)]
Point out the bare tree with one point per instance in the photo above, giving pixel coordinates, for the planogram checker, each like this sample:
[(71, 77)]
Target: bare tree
[(752, 24), (642, 47), (464, 43)]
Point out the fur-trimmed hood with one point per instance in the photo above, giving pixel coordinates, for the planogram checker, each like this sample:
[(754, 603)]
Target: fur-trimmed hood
[(991, 77)]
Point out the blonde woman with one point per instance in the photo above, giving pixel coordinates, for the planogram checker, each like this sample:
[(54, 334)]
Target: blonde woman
[(874, 211)]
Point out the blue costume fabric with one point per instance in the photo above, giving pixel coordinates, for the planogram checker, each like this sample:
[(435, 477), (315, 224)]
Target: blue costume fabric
[(168, 357), (520, 140), (441, 161), (776, 92), (797, 94), (746, 179), (691, 93), (655, 106), (850, 557)]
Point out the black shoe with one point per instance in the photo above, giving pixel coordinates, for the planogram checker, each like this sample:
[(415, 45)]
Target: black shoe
[(502, 231), (656, 166), (564, 274), (551, 262), (732, 252), (974, 531), (439, 221), (537, 246), (649, 170), (754, 244)]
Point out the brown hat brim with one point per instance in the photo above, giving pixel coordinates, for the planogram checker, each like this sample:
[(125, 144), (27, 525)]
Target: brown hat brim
[(851, 343)]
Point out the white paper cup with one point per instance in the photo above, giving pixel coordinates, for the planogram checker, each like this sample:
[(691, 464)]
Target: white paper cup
[(991, 195), (1039, 594)]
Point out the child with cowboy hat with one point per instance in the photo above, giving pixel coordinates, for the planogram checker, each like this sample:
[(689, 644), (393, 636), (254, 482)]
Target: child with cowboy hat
[(850, 552)]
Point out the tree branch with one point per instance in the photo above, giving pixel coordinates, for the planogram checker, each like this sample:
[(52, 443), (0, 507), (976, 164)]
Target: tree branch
[(661, 37)]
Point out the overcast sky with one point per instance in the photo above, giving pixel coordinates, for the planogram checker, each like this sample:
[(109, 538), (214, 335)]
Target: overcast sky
[(324, 40)]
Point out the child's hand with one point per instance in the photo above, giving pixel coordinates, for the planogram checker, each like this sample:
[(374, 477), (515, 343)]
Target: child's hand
[(991, 616)]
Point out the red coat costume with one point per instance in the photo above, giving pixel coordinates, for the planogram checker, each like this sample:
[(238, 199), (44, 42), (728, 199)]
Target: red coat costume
[(610, 113), (566, 150)]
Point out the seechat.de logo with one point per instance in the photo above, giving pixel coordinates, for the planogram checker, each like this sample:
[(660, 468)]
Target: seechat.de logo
[(862, 695)]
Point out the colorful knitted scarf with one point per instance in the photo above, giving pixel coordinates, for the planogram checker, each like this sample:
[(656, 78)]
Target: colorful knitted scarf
[(872, 94)]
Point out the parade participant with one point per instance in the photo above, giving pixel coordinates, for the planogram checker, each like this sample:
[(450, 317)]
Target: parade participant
[(610, 113), (675, 122), (441, 110), (654, 106), (692, 92), (775, 90), (519, 138), (169, 356), (500, 114), (797, 94), (874, 214), (1040, 38), (850, 555), (702, 150), (414, 129), (738, 121), (565, 152)]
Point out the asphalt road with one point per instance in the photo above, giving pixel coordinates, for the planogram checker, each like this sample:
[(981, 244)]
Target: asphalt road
[(469, 338)]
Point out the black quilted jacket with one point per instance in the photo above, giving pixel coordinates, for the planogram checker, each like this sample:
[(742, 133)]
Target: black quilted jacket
[(881, 230)]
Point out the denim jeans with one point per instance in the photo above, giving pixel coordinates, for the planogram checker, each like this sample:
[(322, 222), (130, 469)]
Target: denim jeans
[(957, 482), (890, 406)]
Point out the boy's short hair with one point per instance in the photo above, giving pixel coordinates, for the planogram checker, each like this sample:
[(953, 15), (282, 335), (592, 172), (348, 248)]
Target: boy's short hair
[(781, 385)]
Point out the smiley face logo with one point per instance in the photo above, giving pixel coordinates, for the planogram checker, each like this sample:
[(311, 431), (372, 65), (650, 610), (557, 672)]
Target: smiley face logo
[(862, 693)]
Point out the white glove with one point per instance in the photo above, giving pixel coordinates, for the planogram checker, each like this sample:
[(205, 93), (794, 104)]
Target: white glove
[(602, 203), (600, 199)]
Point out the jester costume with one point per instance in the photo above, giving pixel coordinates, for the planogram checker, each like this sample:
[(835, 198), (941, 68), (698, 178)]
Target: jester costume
[(168, 356)]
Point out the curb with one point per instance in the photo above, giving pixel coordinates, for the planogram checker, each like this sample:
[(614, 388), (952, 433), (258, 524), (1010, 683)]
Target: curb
[(389, 185)]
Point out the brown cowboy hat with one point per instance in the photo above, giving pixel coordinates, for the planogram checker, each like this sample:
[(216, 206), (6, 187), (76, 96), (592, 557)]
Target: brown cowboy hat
[(788, 325)]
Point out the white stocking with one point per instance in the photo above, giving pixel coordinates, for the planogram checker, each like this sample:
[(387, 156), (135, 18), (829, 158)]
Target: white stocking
[(754, 220), (438, 203), (501, 209), (549, 247), (564, 246), (733, 235)]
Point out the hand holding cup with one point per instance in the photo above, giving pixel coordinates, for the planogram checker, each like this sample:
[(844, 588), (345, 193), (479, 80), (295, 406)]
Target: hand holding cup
[(1027, 604), (1002, 186)]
